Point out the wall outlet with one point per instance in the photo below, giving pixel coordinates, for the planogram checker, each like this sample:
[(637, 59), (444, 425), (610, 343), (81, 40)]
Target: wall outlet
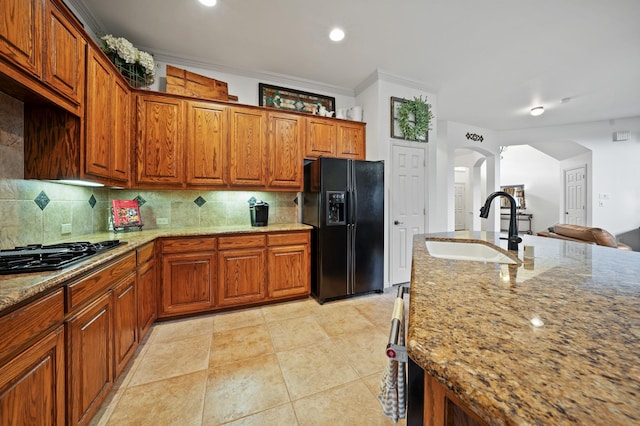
[(162, 221), (65, 228)]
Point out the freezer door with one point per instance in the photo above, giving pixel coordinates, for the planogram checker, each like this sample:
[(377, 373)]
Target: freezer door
[(368, 229)]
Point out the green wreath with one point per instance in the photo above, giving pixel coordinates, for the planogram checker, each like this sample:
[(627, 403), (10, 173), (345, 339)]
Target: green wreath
[(421, 111)]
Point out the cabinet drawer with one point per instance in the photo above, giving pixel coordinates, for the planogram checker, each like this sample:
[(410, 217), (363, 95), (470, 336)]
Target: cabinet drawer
[(90, 286), (183, 245), (289, 238), (242, 241), (26, 323), (145, 253)]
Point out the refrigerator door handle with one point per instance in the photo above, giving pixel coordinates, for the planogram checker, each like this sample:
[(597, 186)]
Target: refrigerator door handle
[(349, 261)]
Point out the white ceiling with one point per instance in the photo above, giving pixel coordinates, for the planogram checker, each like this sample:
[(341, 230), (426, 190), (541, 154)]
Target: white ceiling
[(488, 61)]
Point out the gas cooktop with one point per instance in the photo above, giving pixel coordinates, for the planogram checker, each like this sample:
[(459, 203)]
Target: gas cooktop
[(38, 257)]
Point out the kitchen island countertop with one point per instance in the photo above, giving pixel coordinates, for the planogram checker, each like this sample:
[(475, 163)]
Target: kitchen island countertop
[(15, 289), (553, 340)]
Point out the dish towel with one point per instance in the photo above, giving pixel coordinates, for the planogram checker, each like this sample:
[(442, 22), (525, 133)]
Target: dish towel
[(393, 384)]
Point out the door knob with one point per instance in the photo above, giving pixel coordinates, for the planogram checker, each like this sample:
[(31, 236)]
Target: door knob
[(395, 222)]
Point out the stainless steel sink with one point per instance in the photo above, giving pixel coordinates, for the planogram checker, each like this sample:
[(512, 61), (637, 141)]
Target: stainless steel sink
[(466, 250)]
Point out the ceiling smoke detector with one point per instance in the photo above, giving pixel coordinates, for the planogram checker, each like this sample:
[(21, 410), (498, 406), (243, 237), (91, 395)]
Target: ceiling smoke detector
[(536, 111)]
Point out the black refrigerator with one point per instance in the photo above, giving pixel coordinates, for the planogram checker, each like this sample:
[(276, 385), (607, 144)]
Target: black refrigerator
[(344, 202)]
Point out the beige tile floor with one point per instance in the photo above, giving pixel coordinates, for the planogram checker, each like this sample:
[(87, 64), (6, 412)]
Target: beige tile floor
[(293, 363)]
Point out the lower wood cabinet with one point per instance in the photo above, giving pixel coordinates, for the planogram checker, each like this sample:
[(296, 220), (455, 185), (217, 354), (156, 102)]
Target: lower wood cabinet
[(125, 321), (288, 265), (32, 385), (443, 408), (241, 265), (146, 294), (90, 364), (187, 284)]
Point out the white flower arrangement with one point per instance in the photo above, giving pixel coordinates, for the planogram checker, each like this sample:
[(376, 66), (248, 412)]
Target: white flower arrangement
[(137, 66)]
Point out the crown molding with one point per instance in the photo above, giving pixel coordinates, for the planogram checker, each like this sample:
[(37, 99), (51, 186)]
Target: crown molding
[(380, 75), (87, 16)]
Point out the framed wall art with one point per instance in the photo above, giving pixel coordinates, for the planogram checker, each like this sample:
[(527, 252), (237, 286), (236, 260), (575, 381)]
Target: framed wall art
[(293, 100), (410, 119)]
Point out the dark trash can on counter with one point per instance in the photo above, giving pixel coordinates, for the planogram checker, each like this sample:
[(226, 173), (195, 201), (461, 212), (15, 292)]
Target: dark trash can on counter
[(259, 212)]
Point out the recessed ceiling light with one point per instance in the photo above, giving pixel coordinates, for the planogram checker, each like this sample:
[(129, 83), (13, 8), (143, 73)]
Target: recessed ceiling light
[(537, 111), (336, 34), (209, 3)]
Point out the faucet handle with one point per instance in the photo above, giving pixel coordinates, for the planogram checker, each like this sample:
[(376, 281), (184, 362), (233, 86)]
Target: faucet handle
[(516, 239)]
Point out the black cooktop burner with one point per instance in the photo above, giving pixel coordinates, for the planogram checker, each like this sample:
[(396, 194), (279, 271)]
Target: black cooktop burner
[(38, 257)]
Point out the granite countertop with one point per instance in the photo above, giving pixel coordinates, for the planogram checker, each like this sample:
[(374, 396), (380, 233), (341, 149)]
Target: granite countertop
[(17, 288), (470, 326)]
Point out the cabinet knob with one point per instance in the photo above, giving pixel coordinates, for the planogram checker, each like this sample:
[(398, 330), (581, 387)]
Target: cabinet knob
[(395, 222)]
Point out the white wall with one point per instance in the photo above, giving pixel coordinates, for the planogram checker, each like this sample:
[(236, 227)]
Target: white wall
[(614, 168), (539, 173)]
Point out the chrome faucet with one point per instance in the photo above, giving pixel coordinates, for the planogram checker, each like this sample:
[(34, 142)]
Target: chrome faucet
[(514, 239)]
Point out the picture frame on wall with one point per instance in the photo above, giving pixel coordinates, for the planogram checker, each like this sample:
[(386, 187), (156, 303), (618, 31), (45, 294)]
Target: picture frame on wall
[(293, 100), (396, 131)]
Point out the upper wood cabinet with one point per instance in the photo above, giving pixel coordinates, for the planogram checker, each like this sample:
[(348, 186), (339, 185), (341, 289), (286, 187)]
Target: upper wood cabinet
[(160, 140), (107, 122), (21, 34), (351, 140), (321, 137), (335, 138), (247, 147), (207, 144), (65, 55), (285, 151)]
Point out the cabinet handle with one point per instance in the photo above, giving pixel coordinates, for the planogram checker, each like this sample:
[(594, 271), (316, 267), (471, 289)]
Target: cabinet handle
[(395, 222)]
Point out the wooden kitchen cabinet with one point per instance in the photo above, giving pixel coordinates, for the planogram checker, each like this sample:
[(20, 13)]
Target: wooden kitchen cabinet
[(125, 321), (32, 385), (241, 269), (285, 151), (90, 364), (247, 147), (32, 363), (65, 56), (107, 122), (147, 294), (351, 140), (288, 265), (443, 408), (207, 151), (160, 140), (321, 136), (188, 278), (21, 34)]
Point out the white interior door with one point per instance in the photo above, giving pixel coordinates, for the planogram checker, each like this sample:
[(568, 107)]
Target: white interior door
[(575, 196), (460, 206), (407, 208)]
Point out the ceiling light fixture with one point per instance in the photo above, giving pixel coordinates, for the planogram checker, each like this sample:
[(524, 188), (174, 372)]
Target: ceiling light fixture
[(336, 34), (537, 111), (208, 3)]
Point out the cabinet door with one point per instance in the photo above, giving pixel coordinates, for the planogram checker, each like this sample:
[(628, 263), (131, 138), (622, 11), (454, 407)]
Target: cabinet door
[(90, 372), (147, 299), (288, 265), (321, 138), (351, 141), (206, 144), (242, 276), (21, 34), (98, 118), (188, 283), (65, 64), (119, 155), (285, 151), (160, 140), (32, 385), (125, 321), (248, 148)]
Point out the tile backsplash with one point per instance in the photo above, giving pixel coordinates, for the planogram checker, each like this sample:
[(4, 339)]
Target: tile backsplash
[(33, 211)]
